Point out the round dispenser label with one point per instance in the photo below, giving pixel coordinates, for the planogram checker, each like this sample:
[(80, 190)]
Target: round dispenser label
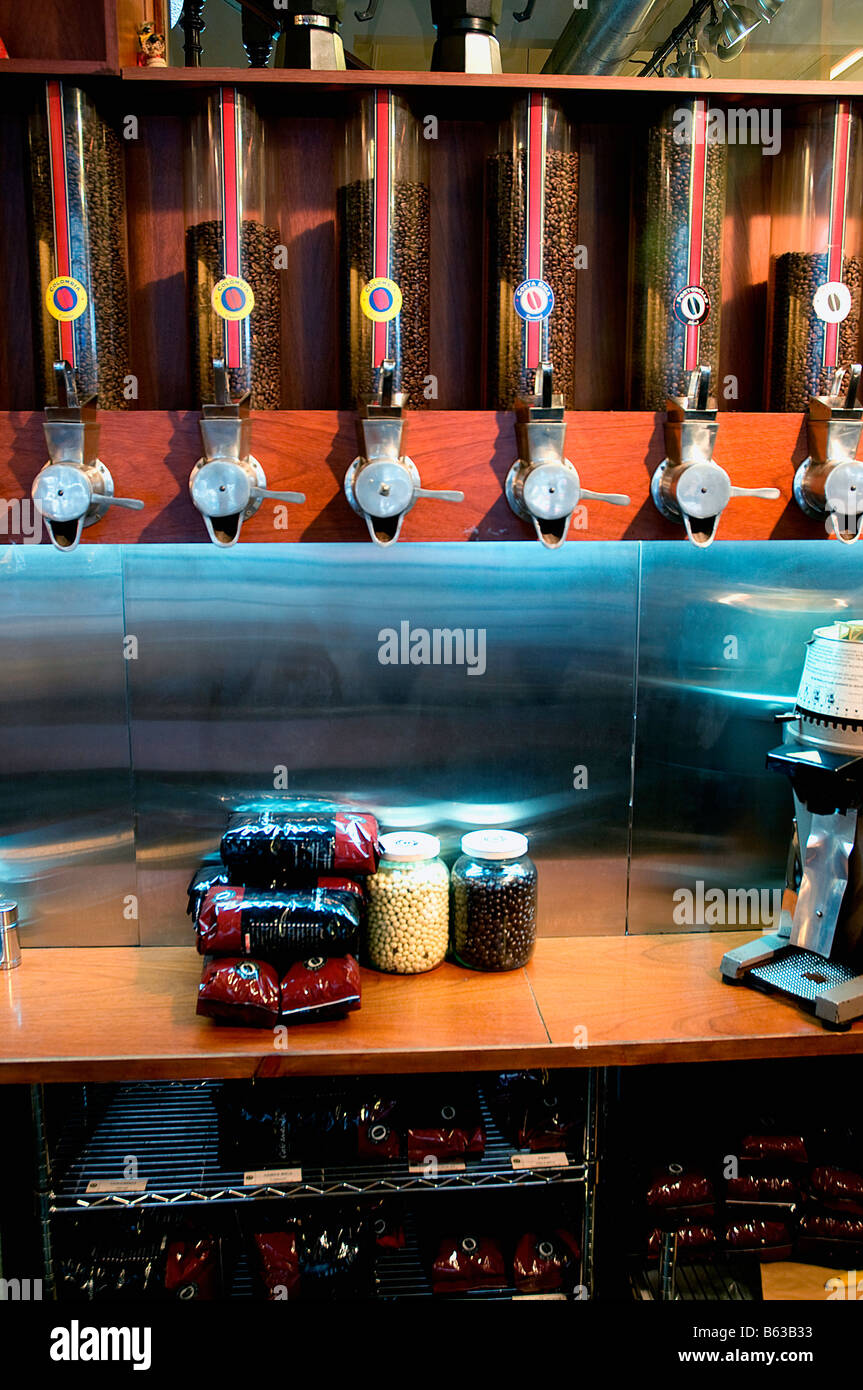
[(691, 305), (65, 298), (381, 300), (534, 299), (233, 298), (832, 302), (832, 680)]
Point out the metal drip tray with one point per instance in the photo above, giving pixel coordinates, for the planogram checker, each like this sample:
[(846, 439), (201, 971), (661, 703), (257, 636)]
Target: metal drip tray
[(801, 974)]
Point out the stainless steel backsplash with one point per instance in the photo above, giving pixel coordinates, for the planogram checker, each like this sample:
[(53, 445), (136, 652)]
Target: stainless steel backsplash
[(616, 704)]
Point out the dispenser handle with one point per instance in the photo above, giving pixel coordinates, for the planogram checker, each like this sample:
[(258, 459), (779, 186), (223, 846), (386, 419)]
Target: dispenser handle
[(262, 492), (67, 386), (132, 504), (617, 499), (853, 384), (441, 495), (769, 494)]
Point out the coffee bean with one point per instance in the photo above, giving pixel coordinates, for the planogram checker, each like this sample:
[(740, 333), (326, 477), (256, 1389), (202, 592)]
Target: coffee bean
[(409, 267), (494, 914), (97, 224), (508, 378), (797, 369), (663, 185), (260, 332)]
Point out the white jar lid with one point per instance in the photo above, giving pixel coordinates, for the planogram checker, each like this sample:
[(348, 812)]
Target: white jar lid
[(494, 844), (407, 845)]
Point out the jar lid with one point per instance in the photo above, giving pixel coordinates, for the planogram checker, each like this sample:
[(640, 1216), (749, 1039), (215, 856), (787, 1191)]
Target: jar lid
[(494, 844), (403, 846)]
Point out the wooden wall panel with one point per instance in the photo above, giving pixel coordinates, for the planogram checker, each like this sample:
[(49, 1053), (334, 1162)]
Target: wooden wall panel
[(152, 453), (54, 30)]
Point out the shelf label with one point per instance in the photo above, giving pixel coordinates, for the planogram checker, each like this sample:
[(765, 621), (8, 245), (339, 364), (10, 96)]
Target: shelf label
[(117, 1185), (271, 1177), (431, 1170), (535, 1297), (520, 1162)]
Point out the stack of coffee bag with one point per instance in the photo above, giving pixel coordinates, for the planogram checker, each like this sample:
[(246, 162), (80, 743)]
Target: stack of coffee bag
[(279, 915)]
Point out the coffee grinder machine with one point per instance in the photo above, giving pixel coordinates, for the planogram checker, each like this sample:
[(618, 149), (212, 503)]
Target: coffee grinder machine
[(815, 956)]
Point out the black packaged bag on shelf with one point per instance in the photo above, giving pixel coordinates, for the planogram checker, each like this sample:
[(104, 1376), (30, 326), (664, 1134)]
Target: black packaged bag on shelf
[(209, 875), (546, 1262), (243, 992), (336, 1256), (266, 847), (129, 1265), (444, 1121), (387, 1225), (274, 1124), (280, 927), (539, 1110), (470, 1261)]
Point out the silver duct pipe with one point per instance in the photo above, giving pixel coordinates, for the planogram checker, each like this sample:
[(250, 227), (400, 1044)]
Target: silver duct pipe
[(600, 37)]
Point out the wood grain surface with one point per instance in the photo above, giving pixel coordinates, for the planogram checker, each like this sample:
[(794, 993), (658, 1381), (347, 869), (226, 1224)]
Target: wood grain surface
[(151, 453), (107, 1014)]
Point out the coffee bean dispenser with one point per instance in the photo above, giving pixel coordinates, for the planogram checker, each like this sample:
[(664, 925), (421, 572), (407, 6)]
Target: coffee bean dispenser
[(232, 252), (676, 263), (79, 244), (828, 485), (816, 253), (532, 202), (233, 270), (384, 234)]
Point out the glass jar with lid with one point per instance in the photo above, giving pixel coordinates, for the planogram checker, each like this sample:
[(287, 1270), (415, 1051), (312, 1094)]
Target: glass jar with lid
[(494, 901), (408, 905)]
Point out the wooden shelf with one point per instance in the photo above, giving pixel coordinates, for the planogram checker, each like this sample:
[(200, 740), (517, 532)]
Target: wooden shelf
[(516, 82), (60, 67), (128, 1013)]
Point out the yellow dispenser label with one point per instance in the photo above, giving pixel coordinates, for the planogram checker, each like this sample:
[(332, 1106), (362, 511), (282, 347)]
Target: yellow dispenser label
[(66, 298)]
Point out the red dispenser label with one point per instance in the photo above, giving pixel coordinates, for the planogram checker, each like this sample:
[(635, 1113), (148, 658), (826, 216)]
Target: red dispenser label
[(697, 183), (381, 213), (231, 163), (838, 208), (60, 206), (535, 219)]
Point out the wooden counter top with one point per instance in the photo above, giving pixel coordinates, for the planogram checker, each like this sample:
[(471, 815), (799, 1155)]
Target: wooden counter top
[(123, 1013)]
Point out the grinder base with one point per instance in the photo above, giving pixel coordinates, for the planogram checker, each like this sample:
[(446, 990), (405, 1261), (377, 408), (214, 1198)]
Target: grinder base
[(830, 989)]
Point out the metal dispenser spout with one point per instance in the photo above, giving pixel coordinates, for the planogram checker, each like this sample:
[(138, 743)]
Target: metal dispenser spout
[(689, 486), (829, 483), (74, 489), (383, 484), (228, 484), (542, 486)]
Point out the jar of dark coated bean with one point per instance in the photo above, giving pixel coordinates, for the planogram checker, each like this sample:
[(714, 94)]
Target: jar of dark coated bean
[(494, 901)]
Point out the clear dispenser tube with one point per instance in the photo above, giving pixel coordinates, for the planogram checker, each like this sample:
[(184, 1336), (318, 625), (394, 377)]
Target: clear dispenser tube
[(79, 241), (532, 201), (676, 263), (232, 252), (816, 253), (384, 234)]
